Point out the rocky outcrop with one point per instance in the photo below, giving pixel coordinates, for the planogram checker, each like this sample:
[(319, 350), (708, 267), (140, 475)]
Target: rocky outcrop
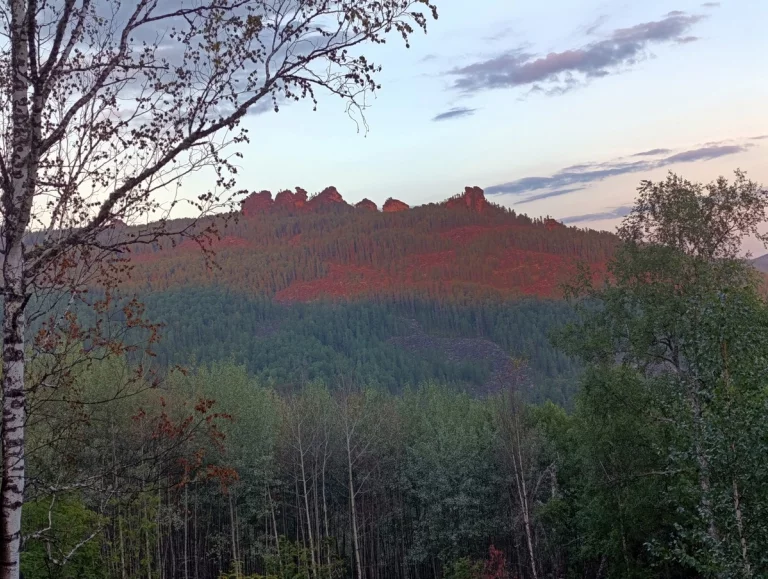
[(288, 200), (327, 197), (366, 204), (551, 224), (473, 199), (393, 206), (300, 197), (256, 203)]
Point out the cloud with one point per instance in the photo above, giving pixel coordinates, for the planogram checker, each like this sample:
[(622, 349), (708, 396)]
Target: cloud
[(555, 193), (711, 5), (704, 154), (587, 173), (454, 113), (558, 72), (429, 57), (567, 178), (759, 138), (652, 152), (615, 213)]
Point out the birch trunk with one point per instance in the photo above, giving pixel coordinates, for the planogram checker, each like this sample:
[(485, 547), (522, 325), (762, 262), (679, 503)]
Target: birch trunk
[(522, 492), (306, 509), (353, 508), (13, 418), (16, 209)]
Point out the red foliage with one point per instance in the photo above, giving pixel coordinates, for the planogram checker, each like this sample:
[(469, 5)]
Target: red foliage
[(342, 281), (192, 246), (470, 232), (496, 565)]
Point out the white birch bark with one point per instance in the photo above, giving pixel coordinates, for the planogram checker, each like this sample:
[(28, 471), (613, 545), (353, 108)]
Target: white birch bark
[(16, 209)]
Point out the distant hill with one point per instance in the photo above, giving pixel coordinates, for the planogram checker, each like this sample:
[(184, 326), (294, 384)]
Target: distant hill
[(761, 263)]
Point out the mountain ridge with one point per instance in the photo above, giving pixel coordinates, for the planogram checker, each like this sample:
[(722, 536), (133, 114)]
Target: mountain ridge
[(297, 248), (473, 199)]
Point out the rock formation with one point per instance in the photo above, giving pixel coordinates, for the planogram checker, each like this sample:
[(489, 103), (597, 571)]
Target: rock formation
[(366, 204), (551, 224), (393, 205), (473, 199), (326, 197), (289, 200), (257, 203)]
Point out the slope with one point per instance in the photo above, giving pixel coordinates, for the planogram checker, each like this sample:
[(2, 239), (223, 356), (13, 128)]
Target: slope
[(312, 288), (294, 249)]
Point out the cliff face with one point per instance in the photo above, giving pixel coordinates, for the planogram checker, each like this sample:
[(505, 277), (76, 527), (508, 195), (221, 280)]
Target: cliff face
[(394, 205)]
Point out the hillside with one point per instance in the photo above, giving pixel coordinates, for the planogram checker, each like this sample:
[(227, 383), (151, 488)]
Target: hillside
[(295, 249), (312, 288)]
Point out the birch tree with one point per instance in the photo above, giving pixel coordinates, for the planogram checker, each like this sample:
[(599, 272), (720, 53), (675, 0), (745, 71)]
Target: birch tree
[(109, 104), (682, 316)]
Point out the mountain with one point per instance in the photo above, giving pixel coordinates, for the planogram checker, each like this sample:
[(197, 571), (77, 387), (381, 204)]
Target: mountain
[(313, 288), (299, 248)]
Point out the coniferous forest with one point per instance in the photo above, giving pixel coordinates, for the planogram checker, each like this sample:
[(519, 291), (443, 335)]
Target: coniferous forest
[(616, 430)]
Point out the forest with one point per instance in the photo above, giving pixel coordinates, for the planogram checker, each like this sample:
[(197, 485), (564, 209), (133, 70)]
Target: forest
[(651, 467), (339, 252)]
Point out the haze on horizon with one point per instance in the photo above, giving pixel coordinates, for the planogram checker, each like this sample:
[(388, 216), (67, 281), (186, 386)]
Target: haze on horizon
[(556, 108)]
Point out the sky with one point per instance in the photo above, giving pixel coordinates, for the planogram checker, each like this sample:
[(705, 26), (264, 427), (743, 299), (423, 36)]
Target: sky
[(556, 107)]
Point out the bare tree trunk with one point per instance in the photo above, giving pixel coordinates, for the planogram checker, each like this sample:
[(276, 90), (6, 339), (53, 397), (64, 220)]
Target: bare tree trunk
[(518, 465), (352, 506), (740, 527), (325, 517), (235, 558), (306, 507), (186, 532)]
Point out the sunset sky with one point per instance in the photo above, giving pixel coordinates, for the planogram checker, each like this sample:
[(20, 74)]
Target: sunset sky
[(557, 107)]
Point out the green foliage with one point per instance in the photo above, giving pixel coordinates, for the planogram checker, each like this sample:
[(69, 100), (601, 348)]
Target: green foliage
[(670, 426), (294, 561), (65, 540), (450, 472), (363, 340), (464, 568)]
